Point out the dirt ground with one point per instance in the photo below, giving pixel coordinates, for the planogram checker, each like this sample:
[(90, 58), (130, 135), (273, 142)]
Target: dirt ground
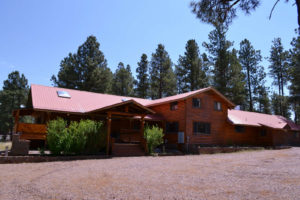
[(268, 174)]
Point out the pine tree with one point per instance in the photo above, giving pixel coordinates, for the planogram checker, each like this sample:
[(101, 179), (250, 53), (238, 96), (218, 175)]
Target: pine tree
[(280, 105), (123, 81), (279, 70), (236, 82), (13, 96), (264, 105), (295, 78), (162, 77), (142, 83), (218, 47), (250, 59), (85, 70), (190, 72)]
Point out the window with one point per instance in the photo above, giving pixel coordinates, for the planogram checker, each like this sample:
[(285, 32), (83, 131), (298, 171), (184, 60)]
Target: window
[(201, 128), (263, 132), (172, 127), (218, 105), (63, 94), (136, 125), (196, 103), (174, 105), (239, 129)]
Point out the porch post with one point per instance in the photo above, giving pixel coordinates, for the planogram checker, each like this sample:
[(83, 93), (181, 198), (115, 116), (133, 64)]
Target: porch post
[(108, 132), (144, 140), (142, 126), (15, 130)]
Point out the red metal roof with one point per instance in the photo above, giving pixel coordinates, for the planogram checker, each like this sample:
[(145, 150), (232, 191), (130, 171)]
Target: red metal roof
[(185, 96), (46, 98), (239, 117)]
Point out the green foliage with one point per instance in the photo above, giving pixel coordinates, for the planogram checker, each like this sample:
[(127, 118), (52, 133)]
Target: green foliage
[(95, 136), (142, 82), (190, 72), (254, 73), (279, 71), (56, 135), (13, 95), (85, 70), (221, 12), (218, 48), (86, 136), (162, 77), (236, 82), (154, 136), (123, 81), (227, 71), (280, 105), (295, 78)]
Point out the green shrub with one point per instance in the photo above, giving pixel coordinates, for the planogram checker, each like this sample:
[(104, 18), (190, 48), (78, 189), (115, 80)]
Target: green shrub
[(86, 136), (96, 136), (154, 136), (56, 134)]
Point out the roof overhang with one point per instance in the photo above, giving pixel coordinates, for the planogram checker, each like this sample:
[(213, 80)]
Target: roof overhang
[(232, 105), (131, 101)]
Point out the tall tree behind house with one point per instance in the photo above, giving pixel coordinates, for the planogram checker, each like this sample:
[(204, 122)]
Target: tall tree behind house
[(279, 68), (190, 70), (86, 70), (14, 94), (295, 78), (142, 82), (162, 76), (250, 59), (123, 81)]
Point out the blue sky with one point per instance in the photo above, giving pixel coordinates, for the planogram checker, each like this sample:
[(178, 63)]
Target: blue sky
[(36, 35)]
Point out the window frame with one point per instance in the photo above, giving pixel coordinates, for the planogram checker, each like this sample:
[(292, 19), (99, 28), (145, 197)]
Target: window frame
[(263, 133), (174, 105), (198, 100), (207, 126), (216, 103), (239, 128), (172, 123)]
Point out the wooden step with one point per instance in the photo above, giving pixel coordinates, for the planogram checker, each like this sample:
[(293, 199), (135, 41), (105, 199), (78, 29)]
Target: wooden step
[(127, 149)]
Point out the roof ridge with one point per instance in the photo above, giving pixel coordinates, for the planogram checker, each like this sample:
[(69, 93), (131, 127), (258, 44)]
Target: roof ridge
[(88, 91)]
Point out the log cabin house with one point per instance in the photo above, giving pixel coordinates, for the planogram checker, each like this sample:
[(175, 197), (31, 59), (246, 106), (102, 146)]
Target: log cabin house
[(201, 117)]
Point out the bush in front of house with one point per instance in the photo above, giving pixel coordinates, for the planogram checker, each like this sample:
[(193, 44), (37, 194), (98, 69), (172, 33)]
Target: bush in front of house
[(154, 136), (56, 135), (86, 136), (95, 136)]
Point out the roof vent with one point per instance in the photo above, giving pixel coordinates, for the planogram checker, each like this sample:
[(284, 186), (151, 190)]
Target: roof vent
[(124, 99), (63, 94)]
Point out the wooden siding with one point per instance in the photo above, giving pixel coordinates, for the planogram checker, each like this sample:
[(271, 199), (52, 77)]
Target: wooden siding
[(206, 113), (32, 131), (172, 116)]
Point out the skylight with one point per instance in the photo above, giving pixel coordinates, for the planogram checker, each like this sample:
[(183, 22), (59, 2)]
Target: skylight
[(63, 94)]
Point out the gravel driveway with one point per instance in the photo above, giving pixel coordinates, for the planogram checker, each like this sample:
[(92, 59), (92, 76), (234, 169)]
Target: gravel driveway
[(268, 174)]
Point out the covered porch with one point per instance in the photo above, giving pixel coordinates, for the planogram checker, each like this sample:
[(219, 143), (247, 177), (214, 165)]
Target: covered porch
[(124, 122)]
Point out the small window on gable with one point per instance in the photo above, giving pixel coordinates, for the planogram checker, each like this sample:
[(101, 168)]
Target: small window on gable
[(174, 105), (218, 106), (63, 94), (239, 129), (196, 103)]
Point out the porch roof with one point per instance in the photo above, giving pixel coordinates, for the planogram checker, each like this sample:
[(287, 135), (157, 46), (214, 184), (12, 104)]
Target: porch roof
[(238, 117)]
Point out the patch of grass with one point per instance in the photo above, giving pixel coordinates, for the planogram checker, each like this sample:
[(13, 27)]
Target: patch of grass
[(4, 144)]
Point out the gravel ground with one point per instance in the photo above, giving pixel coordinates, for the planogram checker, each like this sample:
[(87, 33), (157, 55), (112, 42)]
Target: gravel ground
[(268, 174)]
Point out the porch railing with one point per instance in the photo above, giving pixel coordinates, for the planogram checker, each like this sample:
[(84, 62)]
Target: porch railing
[(32, 131)]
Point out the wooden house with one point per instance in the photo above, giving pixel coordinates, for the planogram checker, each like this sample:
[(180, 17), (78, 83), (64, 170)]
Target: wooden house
[(201, 117)]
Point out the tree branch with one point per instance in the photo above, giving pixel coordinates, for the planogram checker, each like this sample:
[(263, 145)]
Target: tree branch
[(273, 9)]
